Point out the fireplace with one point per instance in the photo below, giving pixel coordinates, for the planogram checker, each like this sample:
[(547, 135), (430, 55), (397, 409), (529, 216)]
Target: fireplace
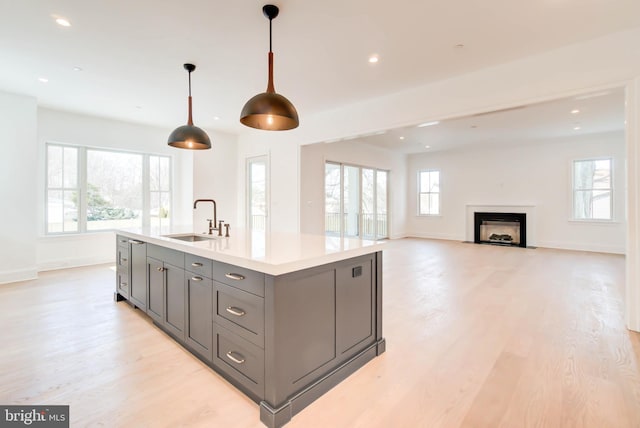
[(509, 229)]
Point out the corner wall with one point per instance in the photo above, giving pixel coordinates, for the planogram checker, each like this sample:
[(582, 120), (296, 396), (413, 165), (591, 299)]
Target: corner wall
[(18, 166)]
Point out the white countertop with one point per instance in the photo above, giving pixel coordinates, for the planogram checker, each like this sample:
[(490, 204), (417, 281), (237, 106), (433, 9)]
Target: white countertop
[(273, 254)]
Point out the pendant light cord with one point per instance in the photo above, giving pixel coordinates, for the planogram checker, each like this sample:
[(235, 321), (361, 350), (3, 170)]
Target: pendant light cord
[(190, 120), (270, 34)]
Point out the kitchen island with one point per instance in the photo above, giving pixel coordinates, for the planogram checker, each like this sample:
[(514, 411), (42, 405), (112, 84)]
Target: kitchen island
[(283, 317)]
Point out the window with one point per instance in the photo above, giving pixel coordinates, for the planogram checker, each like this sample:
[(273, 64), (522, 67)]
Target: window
[(429, 192), (592, 189), (91, 189)]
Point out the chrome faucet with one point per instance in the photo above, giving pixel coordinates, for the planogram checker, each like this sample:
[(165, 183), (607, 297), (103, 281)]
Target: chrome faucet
[(215, 215)]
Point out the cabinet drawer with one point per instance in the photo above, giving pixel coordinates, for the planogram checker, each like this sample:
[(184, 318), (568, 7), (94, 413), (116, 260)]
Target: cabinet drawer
[(235, 276), (122, 260), (167, 255), (123, 282), (198, 265), (241, 312), (122, 240), (241, 360)]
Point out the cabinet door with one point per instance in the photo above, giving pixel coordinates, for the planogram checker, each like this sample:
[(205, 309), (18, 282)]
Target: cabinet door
[(354, 306), (199, 331), (155, 277), (138, 268), (174, 316), (122, 267)]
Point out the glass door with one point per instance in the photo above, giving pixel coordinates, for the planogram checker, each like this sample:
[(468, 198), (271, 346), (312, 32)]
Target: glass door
[(355, 201), (257, 194)]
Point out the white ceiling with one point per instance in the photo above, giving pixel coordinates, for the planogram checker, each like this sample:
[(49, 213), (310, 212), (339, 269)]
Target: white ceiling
[(591, 113), (131, 52)]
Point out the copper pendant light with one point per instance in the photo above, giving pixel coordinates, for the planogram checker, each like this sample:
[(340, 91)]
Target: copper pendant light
[(268, 110), (189, 136)]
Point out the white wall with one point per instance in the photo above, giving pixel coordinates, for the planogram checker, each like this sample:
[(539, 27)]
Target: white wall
[(283, 157), (215, 177), (312, 161), (18, 165), (63, 127), (536, 174)]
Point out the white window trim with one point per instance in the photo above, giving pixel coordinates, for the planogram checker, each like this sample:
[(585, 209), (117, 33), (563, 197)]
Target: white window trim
[(82, 187), (572, 217), (418, 213)]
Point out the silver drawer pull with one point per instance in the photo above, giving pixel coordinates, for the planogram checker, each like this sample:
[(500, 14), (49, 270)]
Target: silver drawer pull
[(196, 264), (123, 284), (235, 359), (135, 241), (124, 260), (235, 276), (196, 278), (160, 269), (235, 311)]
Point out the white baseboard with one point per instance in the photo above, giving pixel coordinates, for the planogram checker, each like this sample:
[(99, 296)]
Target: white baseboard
[(595, 248), (18, 275), (71, 263), (445, 237)]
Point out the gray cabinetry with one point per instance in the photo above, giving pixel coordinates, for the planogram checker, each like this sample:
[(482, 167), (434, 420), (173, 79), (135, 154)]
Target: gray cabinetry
[(355, 306), (283, 340), (122, 267), (166, 289), (239, 326), (199, 306), (138, 273), (131, 271)]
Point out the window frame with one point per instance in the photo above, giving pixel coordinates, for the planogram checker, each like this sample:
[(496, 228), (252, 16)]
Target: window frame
[(420, 193), (81, 187), (612, 217)]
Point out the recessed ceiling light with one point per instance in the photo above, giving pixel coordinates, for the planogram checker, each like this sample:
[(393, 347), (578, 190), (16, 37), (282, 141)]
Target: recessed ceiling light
[(402, 138), (427, 147), (373, 59), (216, 118), (77, 68), (63, 22), (422, 125), (459, 46), (575, 111), (473, 126), (576, 128), (43, 79)]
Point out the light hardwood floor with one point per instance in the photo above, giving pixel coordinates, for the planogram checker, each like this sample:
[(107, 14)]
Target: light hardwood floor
[(477, 336)]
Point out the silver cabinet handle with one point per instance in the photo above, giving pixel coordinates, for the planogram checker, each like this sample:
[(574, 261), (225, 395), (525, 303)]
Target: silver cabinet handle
[(124, 284), (196, 278), (235, 311), (235, 276), (135, 241), (124, 259), (160, 269), (235, 359), (196, 264)]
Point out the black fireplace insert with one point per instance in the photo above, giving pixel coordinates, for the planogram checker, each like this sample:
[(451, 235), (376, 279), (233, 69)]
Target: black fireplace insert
[(508, 229)]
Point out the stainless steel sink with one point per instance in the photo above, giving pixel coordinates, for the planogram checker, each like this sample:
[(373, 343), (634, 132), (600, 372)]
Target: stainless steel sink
[(191, 237)]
